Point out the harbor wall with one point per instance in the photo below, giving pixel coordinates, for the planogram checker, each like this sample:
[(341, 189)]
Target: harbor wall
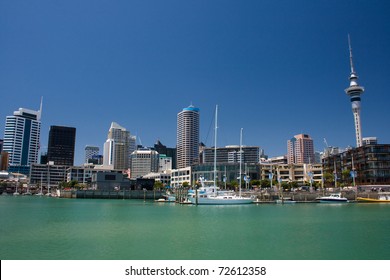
[(155, 194), (127, 194)]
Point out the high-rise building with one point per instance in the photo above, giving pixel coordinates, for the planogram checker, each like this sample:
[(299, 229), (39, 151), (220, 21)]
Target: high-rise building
[(231, 154), (169, 152), (21, 139), (61, 145), (90, 152), (187, 141), (144, 161), (354, 91), (300, 149), (117, 148)]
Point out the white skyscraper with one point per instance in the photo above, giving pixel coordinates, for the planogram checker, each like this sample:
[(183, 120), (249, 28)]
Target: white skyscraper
[(22, 139), (187, 141), (117, 148), (354, 91)]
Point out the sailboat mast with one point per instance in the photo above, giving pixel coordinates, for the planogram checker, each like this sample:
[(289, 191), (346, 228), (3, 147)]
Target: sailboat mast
[(215, 145), (240, 161)]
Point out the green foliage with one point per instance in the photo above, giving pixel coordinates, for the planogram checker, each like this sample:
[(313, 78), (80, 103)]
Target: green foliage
[(158, 185), (265, 184)]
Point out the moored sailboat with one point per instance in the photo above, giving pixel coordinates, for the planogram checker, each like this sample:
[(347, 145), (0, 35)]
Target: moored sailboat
[(211, 194)]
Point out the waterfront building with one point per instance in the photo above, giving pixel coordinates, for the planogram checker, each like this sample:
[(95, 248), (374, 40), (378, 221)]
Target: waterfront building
[(301, 173), (354, 91), (117, 181), (90, 152), (21, 139), (231, 154), (163, 177), (117, 148), (180, 176), (276, 160), (83, 174), (300, 149), (61, 145), (48, 175), (144, 161), (369, 164), (110, 181), (187, 141)]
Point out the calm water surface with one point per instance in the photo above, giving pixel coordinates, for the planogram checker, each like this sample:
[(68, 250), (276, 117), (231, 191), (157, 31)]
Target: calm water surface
[(62, 229)]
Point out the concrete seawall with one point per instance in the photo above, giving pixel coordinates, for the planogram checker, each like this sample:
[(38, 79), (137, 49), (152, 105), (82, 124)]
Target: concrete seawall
[(129, 194)]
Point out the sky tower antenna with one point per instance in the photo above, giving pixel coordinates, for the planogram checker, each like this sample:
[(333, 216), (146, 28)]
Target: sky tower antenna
[(350, 54)]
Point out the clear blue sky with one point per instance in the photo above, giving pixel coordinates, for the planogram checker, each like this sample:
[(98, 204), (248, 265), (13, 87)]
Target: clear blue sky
[(275, 68)]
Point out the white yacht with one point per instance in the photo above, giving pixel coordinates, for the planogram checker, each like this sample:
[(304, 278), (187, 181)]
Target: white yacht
[(332, 198)]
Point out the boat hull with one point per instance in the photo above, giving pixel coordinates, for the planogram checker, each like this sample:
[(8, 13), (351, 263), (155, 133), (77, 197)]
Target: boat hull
[(333, 200), (220, 201), (372, 200)]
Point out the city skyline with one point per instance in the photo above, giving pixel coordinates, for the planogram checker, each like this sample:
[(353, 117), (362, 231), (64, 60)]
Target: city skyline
[(274, 68)]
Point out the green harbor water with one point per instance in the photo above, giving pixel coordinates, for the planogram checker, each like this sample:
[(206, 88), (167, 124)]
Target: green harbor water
[(42, 228)]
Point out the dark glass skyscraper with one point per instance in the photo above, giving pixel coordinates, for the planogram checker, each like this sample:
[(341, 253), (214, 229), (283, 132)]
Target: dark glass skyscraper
[(61, 145)]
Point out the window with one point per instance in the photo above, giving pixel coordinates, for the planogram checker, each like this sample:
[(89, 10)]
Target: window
[(109, 177)]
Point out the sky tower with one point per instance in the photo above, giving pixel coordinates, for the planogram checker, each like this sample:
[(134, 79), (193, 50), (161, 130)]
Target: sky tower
[(354, 91)]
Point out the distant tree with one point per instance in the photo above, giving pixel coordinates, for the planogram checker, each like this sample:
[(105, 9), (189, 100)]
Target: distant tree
[(294, 184), (346, 177), (328, 179), (286, 186), (255, 183), (63, 185), (158, 185), (265, 184), (234, 184), (185, 185)]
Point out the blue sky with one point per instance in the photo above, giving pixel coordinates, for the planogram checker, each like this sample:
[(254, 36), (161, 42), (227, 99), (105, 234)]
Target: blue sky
[(275, 68)]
